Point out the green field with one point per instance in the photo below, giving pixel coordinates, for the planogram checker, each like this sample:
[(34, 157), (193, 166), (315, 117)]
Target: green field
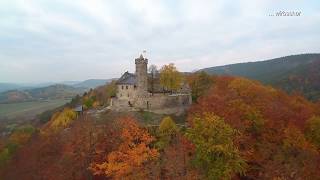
[(29, 109)]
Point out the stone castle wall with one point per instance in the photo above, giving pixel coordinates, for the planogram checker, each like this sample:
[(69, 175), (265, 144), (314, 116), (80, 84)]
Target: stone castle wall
[(136, 96), (126, 92), (162, 103)]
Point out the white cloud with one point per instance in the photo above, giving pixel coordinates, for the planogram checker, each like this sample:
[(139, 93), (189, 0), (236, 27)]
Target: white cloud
[(100, 38)]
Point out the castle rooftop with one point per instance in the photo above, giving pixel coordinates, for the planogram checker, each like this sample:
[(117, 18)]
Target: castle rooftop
[(127, 79)]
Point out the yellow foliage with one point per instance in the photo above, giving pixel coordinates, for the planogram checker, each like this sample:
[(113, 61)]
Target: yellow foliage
[(63, 119), (170, 77), (21, 135), (167, 126), (295, 138), (95, 104)]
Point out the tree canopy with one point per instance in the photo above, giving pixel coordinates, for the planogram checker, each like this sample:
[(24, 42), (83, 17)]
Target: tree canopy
[(170, 77), (216, 155), (131, 154)]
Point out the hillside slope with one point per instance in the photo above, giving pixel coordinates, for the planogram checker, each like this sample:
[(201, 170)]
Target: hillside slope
[(266, 124), (58, 91), (291, 73)]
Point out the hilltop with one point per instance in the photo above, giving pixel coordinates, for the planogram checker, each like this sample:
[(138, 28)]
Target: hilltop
[(291, 73), (236, 128)]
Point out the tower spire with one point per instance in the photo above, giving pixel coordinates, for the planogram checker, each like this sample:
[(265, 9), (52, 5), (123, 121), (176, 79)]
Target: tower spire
[(144, 52)]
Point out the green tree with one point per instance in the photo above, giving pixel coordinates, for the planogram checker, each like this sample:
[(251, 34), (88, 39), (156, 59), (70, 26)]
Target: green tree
[(167, 130), (168, 127), (199, 83), (111, 89), (170, 77), (88, 103), (215, 155), (313, 130)]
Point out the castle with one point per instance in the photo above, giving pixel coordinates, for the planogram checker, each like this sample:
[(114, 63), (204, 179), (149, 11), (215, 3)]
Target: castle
[(143, 91)]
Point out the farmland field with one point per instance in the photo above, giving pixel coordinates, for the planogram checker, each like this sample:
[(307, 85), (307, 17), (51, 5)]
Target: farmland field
[(29, 109)]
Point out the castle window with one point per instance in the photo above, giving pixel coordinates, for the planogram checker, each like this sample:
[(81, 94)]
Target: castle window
[(134, 86), (128, 95), (126, 87), (121, 87)]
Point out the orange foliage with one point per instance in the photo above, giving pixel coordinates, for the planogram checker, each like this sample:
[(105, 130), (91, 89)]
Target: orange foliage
[(263, 114), (228, 94), (131, 154), (176, 158)]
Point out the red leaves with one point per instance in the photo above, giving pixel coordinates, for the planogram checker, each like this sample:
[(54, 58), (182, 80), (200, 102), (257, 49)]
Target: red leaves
[(267, 119), (131, 154)]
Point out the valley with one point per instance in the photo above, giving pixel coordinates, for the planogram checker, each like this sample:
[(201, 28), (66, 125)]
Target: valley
[(29, 109)]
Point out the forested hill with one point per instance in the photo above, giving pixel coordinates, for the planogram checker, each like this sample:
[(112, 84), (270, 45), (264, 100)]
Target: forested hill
[(57, 91), (291, 73), (236, 129)]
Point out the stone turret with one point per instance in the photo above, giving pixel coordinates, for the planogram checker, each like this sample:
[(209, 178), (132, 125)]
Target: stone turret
[(141, 76)]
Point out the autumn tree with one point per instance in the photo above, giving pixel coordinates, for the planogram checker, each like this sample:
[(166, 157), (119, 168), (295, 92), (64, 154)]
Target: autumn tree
[(262, 115), (300, 158), (22, 134), (175, 160), (216, 155), (170, 77), (167, 130), (167, 127), (313, 130), (199, 83), (128, 160), (88, 102), (19, 137), (59, 121), (111, 89), (64, 118)]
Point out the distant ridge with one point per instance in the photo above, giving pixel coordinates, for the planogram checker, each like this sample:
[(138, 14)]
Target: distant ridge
[(57, 91), (292, 73), (8, 86), (19, 93), (92, 83)]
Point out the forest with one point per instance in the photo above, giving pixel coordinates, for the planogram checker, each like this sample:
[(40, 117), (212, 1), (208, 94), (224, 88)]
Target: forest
[(236, 128), (295, 73)]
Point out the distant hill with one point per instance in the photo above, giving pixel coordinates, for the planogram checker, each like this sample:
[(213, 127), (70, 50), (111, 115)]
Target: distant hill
[(12, 96), (8, 86), (58, 91), (55, 91), (92, 83), (291, 73)]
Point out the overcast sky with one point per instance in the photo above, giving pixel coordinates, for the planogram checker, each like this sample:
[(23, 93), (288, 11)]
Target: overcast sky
[(58, 40)]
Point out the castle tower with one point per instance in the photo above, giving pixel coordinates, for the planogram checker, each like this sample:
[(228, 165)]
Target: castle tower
[(141, 76)]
